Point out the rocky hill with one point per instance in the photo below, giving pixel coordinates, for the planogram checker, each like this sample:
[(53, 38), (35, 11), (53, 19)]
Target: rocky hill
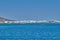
[(4, 19)]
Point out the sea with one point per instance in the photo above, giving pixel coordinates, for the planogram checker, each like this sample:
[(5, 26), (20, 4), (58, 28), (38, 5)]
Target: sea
[(30, 31)]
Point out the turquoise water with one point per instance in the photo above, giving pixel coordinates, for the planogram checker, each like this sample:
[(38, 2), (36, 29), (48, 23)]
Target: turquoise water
[(42, 31)]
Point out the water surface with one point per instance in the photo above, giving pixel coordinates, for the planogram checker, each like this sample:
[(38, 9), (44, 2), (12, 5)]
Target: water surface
[(42, 31)]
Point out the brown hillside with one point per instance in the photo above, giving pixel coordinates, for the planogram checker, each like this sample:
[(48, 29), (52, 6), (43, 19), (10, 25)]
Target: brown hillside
[(3, 19)]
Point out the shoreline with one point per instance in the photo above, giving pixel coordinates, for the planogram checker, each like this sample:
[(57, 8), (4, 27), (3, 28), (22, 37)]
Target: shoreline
[(31, 21)]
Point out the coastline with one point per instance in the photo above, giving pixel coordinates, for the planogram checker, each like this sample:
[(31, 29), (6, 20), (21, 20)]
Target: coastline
[(31, 21)]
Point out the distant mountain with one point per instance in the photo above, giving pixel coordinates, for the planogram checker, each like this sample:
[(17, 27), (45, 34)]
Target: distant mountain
[(4, 19)]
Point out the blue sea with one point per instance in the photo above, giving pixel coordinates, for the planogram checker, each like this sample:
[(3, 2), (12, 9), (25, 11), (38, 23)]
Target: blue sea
[(41, 31)]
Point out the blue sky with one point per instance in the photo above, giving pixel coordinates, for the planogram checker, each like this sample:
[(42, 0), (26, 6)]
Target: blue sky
[(30, 9)]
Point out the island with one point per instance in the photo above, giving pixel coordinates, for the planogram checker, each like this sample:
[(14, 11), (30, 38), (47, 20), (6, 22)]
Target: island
[(4, 20)]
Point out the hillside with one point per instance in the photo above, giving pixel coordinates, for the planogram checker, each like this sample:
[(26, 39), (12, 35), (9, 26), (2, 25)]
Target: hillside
[(4, 19)]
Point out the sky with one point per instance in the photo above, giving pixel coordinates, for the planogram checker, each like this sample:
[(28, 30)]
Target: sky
[(30, 9)]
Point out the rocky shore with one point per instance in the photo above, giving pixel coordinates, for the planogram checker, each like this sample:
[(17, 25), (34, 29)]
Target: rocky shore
[(3, 20)]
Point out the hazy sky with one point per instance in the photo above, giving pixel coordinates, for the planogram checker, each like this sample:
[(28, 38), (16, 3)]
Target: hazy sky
[(30, 9)]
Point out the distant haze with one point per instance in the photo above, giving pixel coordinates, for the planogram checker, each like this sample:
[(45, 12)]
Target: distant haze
[(30, 9)]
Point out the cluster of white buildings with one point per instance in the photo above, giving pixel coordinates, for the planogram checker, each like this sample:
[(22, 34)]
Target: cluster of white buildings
[(33, 21)]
